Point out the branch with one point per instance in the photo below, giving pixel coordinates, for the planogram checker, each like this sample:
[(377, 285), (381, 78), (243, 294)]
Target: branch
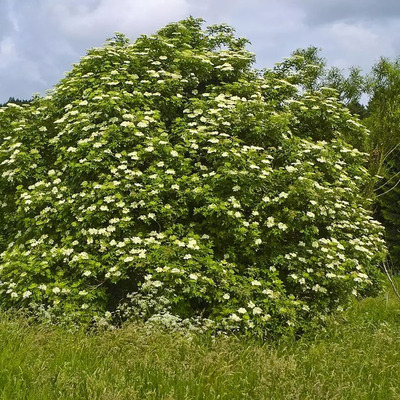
[(384, 184), (390, 151), (387, 191)]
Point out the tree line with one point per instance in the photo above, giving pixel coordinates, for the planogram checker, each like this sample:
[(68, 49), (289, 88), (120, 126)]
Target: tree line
[(15, 101)]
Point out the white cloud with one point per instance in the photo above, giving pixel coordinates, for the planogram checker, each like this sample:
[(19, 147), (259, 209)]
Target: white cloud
[(346, 44), (356, 44), (96, 19)]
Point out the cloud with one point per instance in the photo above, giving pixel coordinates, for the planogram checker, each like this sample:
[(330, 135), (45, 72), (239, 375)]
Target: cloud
[(349, 33), (327, 11), (39, 39), (355, 44), (94, 18)]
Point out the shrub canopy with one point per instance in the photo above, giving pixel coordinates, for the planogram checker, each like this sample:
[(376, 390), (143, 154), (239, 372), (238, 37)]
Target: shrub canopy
[(169, 180)]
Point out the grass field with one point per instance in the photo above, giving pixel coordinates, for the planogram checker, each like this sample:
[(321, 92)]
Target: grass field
[(357, 357)]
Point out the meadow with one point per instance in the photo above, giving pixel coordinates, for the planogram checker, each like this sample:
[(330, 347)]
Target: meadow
[(356, 356)]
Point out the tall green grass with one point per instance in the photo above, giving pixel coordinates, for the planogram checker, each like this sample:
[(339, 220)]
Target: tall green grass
[(356, 357)]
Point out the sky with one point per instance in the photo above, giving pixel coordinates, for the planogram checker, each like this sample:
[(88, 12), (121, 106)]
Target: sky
[(41, 39)]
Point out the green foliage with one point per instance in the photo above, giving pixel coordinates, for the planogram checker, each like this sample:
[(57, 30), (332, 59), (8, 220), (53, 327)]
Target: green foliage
[(167, 181), (306, 68), (383, 122), (350, 88), (388, 192), (384, 110)]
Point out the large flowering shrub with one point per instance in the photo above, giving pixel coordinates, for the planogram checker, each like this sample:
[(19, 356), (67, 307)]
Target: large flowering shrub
[(167, 180)]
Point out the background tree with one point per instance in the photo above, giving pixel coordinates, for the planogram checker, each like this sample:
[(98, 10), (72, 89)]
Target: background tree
[(383, 122), (351, 87), (388, 207), (305, 68), (384, 111), (15, 101)]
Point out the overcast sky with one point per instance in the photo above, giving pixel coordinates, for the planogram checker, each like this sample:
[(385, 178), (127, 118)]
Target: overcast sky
[(40, 39)]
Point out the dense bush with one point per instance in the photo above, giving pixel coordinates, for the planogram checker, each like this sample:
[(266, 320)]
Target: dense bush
[(166, 180)]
